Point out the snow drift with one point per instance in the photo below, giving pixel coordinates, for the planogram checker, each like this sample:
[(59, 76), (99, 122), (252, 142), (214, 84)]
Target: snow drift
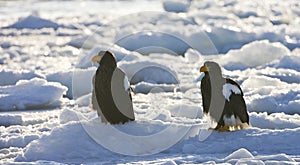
[(33, 22), (30, 94)]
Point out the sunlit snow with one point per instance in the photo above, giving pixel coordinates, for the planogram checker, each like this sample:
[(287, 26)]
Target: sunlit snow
[(46, 80)]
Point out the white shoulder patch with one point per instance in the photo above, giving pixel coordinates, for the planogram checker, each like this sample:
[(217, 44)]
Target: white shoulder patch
[(228, 89), (126, 84)]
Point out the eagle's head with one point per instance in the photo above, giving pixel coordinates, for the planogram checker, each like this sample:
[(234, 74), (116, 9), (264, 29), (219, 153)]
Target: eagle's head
[(210, 67), (105, 58)]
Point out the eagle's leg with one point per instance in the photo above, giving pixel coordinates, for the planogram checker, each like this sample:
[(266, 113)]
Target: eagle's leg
[(238, 127), (218, 126), (221, 128)]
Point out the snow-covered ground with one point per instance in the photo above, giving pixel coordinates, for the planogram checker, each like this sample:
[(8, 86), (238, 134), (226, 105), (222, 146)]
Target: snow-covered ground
[(46, 73)]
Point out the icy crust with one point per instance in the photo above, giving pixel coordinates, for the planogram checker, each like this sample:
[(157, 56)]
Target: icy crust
[(239, 23), (187, 33), (275, 120), (224, 32), (256, 44), (257, 53), (279, 93), (30, 94), (176, 6), (64, 78), (265, 94), (33, 22), (49, 147), (288, 62), (11, 77)]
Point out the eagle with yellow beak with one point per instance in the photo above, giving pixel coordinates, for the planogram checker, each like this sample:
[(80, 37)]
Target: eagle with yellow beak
[(222, 99), (111, 95)]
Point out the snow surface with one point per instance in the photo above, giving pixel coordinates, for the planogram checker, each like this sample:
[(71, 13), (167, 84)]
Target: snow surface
[(11, 77), (30, 94), (263, 50), (46, 80), (33, 22), (176, 5)]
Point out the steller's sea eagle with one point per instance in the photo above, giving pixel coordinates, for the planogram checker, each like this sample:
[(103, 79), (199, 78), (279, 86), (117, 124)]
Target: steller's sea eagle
[(111, 95), (222, 99)]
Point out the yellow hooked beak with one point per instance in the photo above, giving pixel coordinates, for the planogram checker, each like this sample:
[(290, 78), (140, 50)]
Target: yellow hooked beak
[(96, 58), (204, 69)]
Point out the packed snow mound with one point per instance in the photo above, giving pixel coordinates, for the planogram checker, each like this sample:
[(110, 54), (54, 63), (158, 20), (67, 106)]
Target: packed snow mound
[(193, 56), (84, 100), (289, 62), (10, 77), (154, 42), (239, 154), (68, 115), (60, 144), (255, 17), (63, 77), (30, 94), (11, 141), (274, 120), (153, 135), (55, 145), (68, 142), (225, 39), (8, 120), (85, 41), (33, 22), (263, 50), (285, 75), (145, 87), (82, 81), (262, 81), (120, 53), (160, 32), (265, 94), (243, 156), (150, 72), (177, 6)]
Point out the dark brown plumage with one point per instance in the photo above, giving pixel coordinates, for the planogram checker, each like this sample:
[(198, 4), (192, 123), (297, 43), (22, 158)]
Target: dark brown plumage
[(110, 98), (222, 99)]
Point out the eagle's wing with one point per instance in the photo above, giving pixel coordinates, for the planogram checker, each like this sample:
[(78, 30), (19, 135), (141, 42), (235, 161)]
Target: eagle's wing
[(94, 99), (206, 95), (235, 101), (120, 88), (95, 104), (230, 81)]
